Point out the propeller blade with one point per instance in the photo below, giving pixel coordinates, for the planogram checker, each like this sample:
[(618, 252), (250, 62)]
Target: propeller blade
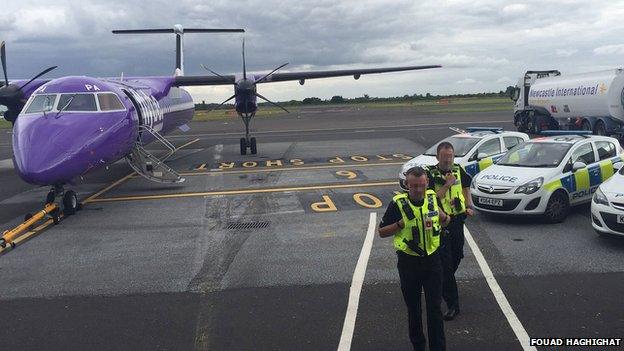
[(271, 102), (3, 55), (221, 104), (244, 67), (37, 76), (211, 71), (273, 71)]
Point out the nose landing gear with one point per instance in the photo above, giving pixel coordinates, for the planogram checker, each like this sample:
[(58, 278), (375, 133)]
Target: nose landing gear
[(247, 142), (69, 202)]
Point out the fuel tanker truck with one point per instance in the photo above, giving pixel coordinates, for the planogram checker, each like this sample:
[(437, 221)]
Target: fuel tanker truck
[(589, 101)]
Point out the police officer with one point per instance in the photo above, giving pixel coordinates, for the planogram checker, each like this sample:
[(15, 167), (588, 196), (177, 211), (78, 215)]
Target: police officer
[(452, 187), (414, 219)]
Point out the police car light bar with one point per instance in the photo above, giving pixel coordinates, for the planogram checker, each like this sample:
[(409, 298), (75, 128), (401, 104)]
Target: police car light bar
[(488, 129), (566, 132)]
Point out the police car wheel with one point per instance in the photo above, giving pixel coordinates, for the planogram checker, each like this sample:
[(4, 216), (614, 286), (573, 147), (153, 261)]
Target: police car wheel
[(557, 208)]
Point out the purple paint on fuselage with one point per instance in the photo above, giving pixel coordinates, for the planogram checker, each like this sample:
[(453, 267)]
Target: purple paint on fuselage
[(50, 150)]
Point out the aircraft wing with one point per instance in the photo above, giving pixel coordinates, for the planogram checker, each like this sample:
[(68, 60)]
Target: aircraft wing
[(204, 80), (281, 77), (300, 76)]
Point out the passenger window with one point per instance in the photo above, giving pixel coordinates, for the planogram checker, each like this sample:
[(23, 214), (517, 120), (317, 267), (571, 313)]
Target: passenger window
[(605, 150), (110, 102), (490, 147), (585, 154), (77, 102), (510, 142)]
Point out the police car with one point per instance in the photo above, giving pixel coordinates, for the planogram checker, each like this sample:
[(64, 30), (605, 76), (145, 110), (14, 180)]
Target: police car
[(607, 208), (547, 175), (476, 148)]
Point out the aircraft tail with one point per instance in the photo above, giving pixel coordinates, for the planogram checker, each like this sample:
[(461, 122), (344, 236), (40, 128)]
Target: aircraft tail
[(179, 31)]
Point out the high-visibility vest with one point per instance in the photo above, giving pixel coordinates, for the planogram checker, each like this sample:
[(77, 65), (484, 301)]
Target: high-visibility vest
[(453, 202), (421, 234)]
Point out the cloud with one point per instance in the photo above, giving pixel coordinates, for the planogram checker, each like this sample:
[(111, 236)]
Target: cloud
[(617, 49), (485, 40), (505, 80), (466, 81), (565, 52)]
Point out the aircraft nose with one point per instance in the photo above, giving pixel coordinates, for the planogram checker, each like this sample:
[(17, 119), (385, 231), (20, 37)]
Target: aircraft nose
[(48, 150)]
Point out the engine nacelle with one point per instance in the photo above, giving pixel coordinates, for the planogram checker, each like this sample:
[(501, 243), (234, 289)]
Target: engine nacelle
[(301, 81)]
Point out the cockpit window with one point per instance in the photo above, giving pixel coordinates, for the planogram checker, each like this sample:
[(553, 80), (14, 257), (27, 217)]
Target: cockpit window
[(77, 102), (41, 103), (109, 102)]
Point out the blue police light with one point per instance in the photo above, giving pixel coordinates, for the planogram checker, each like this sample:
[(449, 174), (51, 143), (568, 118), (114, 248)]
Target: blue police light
[(484, 129), (566, 132)]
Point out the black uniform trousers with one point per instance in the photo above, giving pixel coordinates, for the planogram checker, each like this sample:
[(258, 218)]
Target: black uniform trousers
[(452, 252), (417, 273)]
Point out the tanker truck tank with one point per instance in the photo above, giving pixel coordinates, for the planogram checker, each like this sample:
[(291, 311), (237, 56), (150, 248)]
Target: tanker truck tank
[(589, 101)]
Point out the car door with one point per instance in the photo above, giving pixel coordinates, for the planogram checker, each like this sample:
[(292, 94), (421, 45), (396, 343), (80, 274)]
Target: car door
[(491, 148), (581, 182)]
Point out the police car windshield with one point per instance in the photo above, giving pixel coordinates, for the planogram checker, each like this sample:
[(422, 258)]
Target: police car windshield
[(461, 144), (535, 154)]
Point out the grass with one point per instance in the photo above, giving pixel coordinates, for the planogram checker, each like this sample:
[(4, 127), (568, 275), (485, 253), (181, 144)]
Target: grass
[(458, 105), (4, 124)]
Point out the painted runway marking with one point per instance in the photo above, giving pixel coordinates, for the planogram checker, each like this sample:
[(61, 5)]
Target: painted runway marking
[(243, 191), (514, 322), (6, 164), (257, 170), (401, 126), (356, 286)]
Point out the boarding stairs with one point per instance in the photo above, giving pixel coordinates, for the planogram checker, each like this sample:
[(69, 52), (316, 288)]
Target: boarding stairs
[(150, 166)]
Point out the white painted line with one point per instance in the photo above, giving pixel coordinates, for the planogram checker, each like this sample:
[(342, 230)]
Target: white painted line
[(513, 320), (6, 164), (356, 286), (344, 129)]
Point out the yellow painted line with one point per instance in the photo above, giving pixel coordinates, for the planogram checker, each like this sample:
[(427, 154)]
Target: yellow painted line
[(131, 175), (185, 145), (243, 191), (92, 197), (276, 169), (27, 235)]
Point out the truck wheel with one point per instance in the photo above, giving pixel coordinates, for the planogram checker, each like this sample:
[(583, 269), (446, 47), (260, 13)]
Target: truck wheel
[(557, 208), (600, 128), (586, 125)]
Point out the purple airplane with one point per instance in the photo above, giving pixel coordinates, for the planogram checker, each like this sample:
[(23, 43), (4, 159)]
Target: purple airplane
[(66, 127)]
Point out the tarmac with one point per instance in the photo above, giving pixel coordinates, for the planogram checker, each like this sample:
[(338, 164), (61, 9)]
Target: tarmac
[(258, 252)]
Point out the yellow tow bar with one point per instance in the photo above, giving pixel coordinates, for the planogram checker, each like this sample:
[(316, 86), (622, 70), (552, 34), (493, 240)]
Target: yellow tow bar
[(9, 236)]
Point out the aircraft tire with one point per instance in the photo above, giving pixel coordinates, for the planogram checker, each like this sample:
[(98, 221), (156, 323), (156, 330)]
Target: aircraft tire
[(70, 203), (253, 147), (243, 146)]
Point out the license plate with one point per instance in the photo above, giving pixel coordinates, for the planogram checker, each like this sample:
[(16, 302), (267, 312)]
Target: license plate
[(491, 202), (620, 219)]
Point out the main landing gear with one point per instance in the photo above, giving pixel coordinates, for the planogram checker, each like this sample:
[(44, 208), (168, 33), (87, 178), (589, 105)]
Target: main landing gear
[(69, 202), (247, 142)]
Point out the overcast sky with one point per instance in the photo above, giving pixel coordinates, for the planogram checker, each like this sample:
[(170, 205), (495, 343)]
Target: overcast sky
[(483, 45)]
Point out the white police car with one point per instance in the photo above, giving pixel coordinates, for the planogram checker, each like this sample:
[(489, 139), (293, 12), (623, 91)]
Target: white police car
[(607, 208), (546, 175), (476, 148)]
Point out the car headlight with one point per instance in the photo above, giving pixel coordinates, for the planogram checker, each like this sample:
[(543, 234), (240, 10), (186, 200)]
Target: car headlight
[(473, 184), (600, 198), (530, 187)]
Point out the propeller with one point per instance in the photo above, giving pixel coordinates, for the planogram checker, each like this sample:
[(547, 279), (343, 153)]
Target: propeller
[(271, 102), (244, 88), (221, 104), (11, 95)]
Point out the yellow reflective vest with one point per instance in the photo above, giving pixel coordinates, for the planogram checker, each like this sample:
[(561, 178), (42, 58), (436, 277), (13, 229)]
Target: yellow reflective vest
[(421, 234), (453, 202)]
